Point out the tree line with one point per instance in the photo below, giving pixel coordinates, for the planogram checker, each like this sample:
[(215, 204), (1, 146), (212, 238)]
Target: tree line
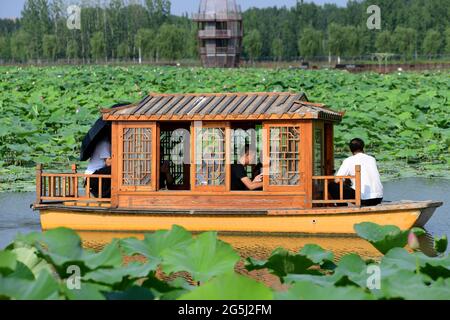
[(408, 28), (135, 29), (116, 30)]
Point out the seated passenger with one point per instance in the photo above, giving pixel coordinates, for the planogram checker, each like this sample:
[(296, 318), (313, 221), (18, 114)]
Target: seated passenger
[(100, 163), (258, 169), (239, 178), (371, 187), (165, 178)]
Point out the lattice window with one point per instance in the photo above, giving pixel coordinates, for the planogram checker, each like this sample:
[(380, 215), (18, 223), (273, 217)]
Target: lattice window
[(137, 156), (284, 156), (210, 157)]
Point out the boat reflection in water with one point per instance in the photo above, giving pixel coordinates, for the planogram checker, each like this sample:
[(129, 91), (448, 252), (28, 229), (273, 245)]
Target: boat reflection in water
[(260, 246)]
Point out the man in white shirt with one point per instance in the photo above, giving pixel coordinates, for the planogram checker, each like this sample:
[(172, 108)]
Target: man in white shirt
[(371, 187), (100, 163)]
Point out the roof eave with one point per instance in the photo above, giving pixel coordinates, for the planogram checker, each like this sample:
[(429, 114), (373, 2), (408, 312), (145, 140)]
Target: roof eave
[(198, 117)]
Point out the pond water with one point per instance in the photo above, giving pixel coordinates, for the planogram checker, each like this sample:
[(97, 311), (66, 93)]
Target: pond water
[(16, 216)]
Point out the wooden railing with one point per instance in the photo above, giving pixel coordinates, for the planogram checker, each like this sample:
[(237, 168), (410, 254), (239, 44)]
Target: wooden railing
[(341, 181), (219, 50), (214, 33), (72, 186), (217, 16)]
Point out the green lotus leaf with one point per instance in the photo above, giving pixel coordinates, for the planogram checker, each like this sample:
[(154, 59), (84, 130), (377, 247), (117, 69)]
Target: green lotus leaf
[(21, 272), (166, 290), (440, 244), (305, 290), (282, 262), (321, 280), (409, 285), (115, 276), (154, 245), (418, 231), (8, 262), (45, 287), (383, 238), (62, 245), (436, 267), (28, 256), (351, 270), (132, 293), (317, 254), (87, 291), (109, 256), (230, 286), (203, 258), (398, 258)]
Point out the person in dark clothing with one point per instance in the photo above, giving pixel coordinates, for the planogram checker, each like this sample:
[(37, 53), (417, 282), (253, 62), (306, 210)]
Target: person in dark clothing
[(239, 179), (165, 177), (106, 183)]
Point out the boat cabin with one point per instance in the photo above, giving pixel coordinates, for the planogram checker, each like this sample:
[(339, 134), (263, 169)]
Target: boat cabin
[(198, 137)]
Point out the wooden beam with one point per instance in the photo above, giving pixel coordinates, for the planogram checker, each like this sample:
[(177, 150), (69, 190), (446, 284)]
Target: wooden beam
[(38, 183), (358, 185)]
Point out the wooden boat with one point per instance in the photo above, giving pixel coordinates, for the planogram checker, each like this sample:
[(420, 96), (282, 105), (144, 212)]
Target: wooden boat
[(200, 134)]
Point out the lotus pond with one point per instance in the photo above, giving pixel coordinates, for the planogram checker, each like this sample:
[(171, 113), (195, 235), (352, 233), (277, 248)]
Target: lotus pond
[(45, 112)]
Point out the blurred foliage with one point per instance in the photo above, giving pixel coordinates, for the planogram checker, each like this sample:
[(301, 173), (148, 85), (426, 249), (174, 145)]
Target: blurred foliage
[(54, 265)]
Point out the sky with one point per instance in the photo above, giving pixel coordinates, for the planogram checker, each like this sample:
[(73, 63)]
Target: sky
[(12, 8)]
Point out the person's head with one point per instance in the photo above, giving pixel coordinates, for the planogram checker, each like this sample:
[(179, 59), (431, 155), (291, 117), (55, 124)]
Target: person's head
[(356, 145), (247, 155)]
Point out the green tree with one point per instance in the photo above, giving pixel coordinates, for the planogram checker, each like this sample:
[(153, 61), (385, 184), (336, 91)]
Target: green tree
[(98, 49), (277, 49), (192, 45), (123, 51), (352, 41), (145, 42), (405, 41), (310, 43), (59, 26), (72, 51), (5, 48), (383, 42), (344, 28), (253, 44), (49, 46), (159, 11), (36, 22), (447, 40), (169, 42), (116, 33), (336, 39), (432, 42), (20, 46)]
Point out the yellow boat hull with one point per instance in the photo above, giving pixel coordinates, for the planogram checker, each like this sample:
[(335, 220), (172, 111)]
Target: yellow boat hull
[(311, 221)]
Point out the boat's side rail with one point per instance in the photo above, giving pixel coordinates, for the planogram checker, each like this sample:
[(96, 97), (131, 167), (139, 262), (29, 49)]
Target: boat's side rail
[(340, 180), (72, 186)]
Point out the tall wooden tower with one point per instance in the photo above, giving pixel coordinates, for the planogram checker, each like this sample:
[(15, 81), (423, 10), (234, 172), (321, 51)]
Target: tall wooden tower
[(220, 33)]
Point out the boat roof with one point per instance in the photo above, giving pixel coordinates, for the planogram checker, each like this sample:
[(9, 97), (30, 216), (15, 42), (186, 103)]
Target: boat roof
[(222, 106)]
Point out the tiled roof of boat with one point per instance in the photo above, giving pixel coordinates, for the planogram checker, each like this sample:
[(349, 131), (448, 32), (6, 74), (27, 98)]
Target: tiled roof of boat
[(222, 105)]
